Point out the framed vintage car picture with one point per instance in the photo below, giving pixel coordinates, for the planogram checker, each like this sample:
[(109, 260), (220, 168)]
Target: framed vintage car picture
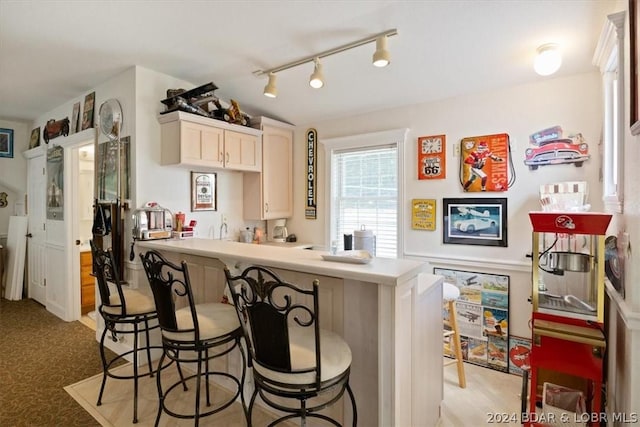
[(475, 221)]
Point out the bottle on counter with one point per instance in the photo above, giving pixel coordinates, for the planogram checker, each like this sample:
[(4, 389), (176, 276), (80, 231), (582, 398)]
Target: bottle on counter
[(180, 217), (258, 235)]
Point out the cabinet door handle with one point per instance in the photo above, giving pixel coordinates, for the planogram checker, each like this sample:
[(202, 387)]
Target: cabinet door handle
[(221, 155), (226, 159), (266, 207)]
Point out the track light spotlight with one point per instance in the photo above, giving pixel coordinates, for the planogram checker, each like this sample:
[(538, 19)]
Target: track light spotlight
[(548, 60), (270, 90), (316, 80), (381, 55)]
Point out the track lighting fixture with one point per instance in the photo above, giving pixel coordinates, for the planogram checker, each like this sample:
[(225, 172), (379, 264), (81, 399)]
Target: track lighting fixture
[(548, 60), (381, 58), (270, 90), (316, 80), (381, 55)]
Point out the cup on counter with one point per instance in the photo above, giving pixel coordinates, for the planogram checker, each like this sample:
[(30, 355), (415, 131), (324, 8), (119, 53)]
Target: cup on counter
[(348, 242), (334, 247)]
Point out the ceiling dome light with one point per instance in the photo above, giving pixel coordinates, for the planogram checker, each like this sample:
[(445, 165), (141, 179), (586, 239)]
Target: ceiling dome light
[(381, 55), (316, 80), (548, 60), (270, 90)]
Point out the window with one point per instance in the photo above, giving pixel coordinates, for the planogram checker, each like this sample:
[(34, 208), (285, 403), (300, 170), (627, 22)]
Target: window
[(365, 176), (609, 56)]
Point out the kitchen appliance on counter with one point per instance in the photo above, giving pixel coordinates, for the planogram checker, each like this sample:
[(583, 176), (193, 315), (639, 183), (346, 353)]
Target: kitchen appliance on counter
[(278, 230), (152, 222), (246, 235), (364, 239)]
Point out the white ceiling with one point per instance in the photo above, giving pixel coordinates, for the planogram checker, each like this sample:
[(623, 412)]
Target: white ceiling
[(55, 51)]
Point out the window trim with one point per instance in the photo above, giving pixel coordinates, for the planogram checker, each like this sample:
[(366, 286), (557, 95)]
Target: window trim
[(609, 57), (374, 139)]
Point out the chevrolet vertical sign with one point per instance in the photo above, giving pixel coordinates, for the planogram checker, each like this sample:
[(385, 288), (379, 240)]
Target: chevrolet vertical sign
[(310, 209)]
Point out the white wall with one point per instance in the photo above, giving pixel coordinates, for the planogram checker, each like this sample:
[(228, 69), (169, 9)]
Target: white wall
[(13, 171), (139, 92), (624, 318), (573, 103), (170, 186)]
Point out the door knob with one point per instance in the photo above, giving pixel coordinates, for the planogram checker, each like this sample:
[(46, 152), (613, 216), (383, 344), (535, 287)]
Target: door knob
[(29, 235), (77, 242)]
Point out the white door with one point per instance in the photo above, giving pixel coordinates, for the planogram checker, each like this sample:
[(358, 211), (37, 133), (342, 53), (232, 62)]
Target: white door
[(62, 253), (36, 243)]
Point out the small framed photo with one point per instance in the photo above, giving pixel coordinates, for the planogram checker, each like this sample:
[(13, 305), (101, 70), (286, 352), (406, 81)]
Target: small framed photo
[(35, 138), (87, 113), (75, 118), (6, 142), (203, 191), (475, 221)]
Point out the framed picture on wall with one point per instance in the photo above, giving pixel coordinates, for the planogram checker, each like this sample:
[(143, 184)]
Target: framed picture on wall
[(203, 191), (482, 313), (107, 170), (75, 118), (87, 112), (34, 141), (475, 221), (6, 142)]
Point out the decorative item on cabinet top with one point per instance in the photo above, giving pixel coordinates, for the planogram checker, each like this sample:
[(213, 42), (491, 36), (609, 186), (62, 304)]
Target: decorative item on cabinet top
[(55, 128), (35, 138), (87, 111), (201, 101)]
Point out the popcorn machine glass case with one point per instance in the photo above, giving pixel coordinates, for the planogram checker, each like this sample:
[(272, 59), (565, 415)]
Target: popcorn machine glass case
[(568, 264)]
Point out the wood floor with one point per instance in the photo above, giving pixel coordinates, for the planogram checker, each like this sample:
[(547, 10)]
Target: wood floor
[(488, 393)]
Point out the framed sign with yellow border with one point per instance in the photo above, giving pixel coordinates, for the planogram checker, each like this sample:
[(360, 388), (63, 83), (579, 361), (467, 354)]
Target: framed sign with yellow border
[(423, 214)]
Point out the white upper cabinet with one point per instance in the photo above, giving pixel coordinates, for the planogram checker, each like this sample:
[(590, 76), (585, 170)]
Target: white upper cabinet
[(195, 141), (269, 194)]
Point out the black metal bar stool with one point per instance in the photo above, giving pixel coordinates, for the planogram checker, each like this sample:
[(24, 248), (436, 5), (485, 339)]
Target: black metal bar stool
[(125, 312), (298, 368), (192, 334)]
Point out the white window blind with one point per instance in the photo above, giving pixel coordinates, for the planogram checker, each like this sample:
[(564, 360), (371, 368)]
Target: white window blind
[(364, 186)]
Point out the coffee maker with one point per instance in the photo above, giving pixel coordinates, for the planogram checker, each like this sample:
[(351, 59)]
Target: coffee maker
[(277, 230)]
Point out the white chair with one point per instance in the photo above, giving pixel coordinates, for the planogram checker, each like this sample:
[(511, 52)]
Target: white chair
[(451, 333)]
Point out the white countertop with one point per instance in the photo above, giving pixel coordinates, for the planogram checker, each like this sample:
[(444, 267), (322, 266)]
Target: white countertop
[(292, 245), (385, 271)]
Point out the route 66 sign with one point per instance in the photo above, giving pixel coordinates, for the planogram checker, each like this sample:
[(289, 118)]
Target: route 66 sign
[(432, 157)]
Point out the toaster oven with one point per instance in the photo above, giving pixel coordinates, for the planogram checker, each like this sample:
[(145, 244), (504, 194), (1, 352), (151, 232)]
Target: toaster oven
[(152, 222)]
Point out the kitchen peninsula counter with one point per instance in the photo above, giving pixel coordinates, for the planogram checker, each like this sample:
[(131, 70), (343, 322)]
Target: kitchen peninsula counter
[(385, 271), (389, 311)]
